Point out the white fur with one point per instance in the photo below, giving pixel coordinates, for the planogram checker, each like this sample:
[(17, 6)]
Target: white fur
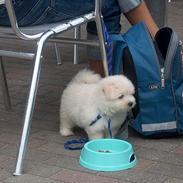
[(88, 95)]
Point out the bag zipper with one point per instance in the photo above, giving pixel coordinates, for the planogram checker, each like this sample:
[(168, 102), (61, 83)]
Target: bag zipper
[(180, 70), (162, 77), (181, 52), (173, 93)]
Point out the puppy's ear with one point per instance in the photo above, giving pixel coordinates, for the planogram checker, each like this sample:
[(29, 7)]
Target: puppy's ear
[(110, 90)]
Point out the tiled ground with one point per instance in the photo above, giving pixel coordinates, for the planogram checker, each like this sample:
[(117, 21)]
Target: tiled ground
[(159, 160)]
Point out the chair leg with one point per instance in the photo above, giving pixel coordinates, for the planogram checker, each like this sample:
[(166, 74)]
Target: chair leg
[(4, 85), (57, 52), (76, 52), (100, 31), (30, 104)]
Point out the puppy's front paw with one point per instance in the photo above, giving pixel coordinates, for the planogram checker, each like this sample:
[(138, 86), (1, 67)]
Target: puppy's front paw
[(66, 132), (95, 135)]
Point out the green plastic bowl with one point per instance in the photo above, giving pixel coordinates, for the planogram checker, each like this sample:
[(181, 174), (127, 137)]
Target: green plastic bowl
[(107, 155)]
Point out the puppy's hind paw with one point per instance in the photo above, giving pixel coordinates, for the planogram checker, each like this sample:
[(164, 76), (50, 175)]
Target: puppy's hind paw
[(66, 132)]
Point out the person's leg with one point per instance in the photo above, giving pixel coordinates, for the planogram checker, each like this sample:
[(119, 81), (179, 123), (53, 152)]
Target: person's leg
[(27, 12), (51, 11), (141, 13), (94, 57), (36, 12)]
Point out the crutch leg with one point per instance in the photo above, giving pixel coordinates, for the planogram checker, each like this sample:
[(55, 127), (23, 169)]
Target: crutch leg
[(4, 85), (30, 104), (58, 54), (76, 36), (100, 31)]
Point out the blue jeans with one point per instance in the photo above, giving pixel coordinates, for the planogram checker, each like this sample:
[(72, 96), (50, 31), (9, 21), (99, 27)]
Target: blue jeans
[(36, 12)]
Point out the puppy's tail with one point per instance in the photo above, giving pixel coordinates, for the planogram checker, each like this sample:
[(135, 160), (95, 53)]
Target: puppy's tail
[(86, 76)]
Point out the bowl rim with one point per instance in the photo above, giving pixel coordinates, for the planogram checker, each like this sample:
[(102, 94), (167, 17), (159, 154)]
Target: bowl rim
[(107, 139)]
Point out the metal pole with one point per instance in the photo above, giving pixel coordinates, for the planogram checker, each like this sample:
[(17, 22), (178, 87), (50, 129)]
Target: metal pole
[(16, 54), (76, 36), (62, 40), (57, 52), (75, 41), (30, 103), (100, 30), (4, 85)]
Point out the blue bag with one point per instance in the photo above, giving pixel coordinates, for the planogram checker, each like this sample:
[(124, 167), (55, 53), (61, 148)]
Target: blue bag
[(156, 70)]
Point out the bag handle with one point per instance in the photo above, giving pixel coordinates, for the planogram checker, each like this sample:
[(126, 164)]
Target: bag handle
[(111, 41), (118, 44), (117, 38)]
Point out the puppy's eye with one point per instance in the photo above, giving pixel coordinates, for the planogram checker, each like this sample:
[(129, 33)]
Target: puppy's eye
[(121, 96)]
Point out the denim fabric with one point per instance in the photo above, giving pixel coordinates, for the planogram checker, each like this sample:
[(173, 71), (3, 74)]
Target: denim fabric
[(35, 12), (111, 13)]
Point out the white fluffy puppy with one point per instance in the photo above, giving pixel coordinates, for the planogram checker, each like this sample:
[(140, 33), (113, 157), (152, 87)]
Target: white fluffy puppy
[(89, 101)]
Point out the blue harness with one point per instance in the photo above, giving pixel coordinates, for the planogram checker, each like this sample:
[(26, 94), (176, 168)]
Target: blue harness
[(70, 144)]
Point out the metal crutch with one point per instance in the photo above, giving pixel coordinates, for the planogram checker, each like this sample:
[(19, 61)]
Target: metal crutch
[(100, 31), (31, 103)]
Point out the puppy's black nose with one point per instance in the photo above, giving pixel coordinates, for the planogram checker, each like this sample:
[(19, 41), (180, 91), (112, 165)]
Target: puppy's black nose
[(130, 104)]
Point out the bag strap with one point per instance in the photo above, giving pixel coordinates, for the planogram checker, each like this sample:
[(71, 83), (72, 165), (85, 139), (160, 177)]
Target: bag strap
[(118, 45), (117, 38), (111, 40), (172, 48), (144, 54), (109, 50)]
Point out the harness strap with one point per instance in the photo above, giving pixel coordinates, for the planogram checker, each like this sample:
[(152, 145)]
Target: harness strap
[(109, 50), (70, 144), (95, 120), (109, 128)]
